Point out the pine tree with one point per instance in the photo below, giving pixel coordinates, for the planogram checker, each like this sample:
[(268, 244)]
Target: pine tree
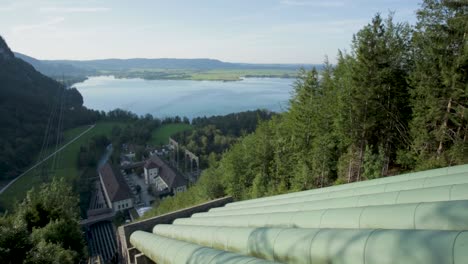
[(440, 84), (303, 109), (375, 92), (304, 120)]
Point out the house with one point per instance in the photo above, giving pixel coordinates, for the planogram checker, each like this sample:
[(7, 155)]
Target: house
[(151, 171), (116, 191), (165, 179)]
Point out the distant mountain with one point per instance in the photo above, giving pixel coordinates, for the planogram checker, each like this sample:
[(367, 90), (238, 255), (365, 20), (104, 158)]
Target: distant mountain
[(127, 64), (27, 99), (83, 68), (55, 69), (167, 63)]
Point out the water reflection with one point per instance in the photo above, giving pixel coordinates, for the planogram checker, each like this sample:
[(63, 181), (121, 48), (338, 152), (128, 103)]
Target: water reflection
[(184, 97)]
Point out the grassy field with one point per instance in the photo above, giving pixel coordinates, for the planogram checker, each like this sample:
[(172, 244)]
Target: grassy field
[(235, 75), (161, 135), (68, 135), (67, 164), (199, 75)]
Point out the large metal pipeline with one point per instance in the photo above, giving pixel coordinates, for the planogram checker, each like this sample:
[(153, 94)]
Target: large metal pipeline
[(298, 245), (432, 194), (413, 218), (447, 215), (164, 250), (346, 188)]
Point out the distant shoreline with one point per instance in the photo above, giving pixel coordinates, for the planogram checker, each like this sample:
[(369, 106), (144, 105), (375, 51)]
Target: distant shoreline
[(240, 78)]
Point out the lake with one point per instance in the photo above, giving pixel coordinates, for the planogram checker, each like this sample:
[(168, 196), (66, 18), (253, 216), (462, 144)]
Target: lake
[(163, 98)]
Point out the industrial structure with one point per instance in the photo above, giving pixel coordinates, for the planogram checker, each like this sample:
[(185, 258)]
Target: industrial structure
[(165, 179), (111, 195), (419, 217), (191, 161), (116, 192)]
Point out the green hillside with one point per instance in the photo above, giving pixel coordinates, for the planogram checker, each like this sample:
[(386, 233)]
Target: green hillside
[(29, 101), (67, 164)]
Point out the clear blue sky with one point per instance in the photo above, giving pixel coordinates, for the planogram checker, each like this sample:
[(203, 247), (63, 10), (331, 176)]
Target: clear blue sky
[(256, 31)]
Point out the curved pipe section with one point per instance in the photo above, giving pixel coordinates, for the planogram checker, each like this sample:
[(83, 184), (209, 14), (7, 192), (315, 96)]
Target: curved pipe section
[(433, 194), (393, 179), (426, 182), (448, 215), (297, 245), (163, 250)]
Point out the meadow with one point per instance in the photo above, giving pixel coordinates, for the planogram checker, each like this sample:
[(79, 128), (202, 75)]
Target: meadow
[(161, 135), (201, 75), (66, 161)]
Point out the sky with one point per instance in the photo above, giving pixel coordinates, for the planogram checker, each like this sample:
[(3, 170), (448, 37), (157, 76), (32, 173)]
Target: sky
[(250, 31)]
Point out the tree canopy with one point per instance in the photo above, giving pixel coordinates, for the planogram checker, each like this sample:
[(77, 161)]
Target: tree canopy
[(44, 228)]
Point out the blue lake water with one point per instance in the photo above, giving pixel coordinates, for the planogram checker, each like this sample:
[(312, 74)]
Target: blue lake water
[(163, 98)]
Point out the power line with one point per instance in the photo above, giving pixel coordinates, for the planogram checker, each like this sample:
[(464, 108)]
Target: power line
[(45, 142), (54, 124), (59, 131)]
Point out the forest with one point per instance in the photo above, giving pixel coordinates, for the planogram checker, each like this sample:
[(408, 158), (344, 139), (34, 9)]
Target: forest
[(396, 102), (212, 136)]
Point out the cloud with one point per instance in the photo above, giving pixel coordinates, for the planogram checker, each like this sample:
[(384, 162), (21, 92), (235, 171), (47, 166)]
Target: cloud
[(10, 6), (316, 3), (48, 24), (73, 9)]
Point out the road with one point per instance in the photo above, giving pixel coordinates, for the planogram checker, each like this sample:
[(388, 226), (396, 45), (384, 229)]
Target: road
[(45, 159)]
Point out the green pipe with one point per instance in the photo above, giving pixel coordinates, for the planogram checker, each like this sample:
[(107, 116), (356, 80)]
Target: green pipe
[(447, 215), (459, 178), (298, 245), (393, 179), (164, 250), (432, 194)]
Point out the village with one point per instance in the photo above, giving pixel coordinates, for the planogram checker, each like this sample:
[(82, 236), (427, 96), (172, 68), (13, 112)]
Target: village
[(124, 192)]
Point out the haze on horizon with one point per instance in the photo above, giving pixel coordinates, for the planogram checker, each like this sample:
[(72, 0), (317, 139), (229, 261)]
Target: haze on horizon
[(263, 31)]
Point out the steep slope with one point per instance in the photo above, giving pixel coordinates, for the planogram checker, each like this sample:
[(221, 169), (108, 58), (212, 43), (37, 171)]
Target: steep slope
[(54, 69), (27, 99)]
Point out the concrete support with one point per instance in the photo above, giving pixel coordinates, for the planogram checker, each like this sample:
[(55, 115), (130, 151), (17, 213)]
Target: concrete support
[(189, 156), (175, 153), (147, 225), (131, 253), (142, 259)]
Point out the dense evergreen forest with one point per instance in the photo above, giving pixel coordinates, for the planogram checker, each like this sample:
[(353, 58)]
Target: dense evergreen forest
[(397, 101), (235, 124), (29, 103)]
